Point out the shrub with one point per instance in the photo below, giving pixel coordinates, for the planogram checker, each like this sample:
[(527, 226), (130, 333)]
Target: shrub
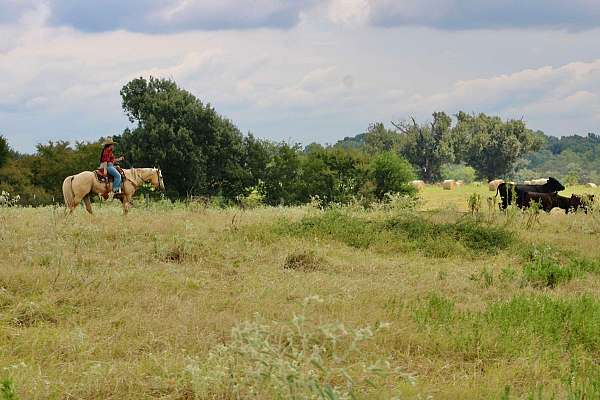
[(255, 198), (391, 174)]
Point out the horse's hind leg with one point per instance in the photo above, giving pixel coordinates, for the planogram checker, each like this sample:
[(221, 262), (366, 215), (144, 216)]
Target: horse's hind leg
[(88, 204)]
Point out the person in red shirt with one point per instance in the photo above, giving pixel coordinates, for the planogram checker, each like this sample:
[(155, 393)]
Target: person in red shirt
[(107, 163)]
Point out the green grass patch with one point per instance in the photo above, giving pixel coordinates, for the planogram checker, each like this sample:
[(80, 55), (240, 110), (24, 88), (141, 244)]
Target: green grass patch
[(404, 233), (545, 269), (514, 327)]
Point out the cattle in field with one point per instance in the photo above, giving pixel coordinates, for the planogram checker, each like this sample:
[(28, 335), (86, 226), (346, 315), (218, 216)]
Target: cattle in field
[(548, 201), (510, 191), (576, 202)]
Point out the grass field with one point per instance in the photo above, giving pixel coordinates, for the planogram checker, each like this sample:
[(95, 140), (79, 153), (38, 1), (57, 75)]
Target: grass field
[(183, 302)]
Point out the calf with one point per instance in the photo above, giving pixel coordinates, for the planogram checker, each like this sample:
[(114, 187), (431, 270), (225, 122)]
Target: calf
[(547, 201), (575, 202)]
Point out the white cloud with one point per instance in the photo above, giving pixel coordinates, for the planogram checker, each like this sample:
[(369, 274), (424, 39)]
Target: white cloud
[(312, 82)]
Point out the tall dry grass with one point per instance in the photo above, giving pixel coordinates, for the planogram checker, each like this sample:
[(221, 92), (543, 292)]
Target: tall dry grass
[(183, 302)]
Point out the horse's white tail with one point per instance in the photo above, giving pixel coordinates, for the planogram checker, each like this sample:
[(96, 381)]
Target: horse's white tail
[(68, 193)]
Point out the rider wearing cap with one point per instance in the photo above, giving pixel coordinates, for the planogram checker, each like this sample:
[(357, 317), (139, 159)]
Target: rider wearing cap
[(107, 163)]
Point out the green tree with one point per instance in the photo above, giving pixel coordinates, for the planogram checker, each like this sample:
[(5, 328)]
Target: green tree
[(427, 146), (283, 184), (379, 139), (493, 146), (334, 174), (198, 150), (56, 160), (391, 174), (4, 151)]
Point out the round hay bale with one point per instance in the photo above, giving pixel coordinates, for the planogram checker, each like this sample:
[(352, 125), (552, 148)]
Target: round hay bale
[(460, 183), (449, 184), (419, 185), (493, 185), (591, 185)]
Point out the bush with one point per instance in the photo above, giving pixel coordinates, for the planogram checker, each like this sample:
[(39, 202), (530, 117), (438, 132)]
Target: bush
[(391, 174)]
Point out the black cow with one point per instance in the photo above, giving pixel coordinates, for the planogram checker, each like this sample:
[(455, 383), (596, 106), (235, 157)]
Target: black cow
[(509, 190), (548, 201)]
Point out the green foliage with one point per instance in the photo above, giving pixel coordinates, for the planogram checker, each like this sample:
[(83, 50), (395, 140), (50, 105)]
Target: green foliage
[(403, 233), (492, 146), (391, 174), (427, 146), (283, 175), (199, 151), (4, 151), (7, 389), (378, 139), (513, 328), (37, 178), (544, 268), (474, 203), (333, 174), (254, 198), (458, 172), (569, 158), (54, 161)]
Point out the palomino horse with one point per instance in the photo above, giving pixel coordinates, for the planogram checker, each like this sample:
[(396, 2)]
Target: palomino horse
[(81, 186)]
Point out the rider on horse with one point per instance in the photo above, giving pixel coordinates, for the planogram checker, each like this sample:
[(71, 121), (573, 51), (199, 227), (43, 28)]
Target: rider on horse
[(107, 164)]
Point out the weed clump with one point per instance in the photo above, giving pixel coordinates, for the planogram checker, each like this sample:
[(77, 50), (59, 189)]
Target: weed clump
[(7, 389), (305, 261)]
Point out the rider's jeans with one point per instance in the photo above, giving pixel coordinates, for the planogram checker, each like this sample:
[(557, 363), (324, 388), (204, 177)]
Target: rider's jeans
[(115, 174)]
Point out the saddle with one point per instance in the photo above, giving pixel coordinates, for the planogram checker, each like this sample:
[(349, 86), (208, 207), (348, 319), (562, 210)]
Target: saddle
[(107, 178)]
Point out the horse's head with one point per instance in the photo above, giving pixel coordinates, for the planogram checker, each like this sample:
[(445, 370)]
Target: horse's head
[(157, 179)]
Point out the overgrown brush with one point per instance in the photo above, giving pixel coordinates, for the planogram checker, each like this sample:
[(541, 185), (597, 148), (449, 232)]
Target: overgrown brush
[(297, 359)]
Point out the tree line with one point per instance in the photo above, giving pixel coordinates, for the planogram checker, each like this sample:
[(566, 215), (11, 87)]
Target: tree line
[(204, 153)]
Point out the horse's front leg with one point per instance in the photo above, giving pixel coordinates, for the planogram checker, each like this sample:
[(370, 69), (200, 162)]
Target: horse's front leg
[(126, 205)]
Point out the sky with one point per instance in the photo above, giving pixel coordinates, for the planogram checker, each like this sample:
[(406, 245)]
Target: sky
[(299, 71)]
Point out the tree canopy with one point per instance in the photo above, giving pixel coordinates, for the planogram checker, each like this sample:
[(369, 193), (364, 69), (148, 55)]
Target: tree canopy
[(4, 151), (199, 150)]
